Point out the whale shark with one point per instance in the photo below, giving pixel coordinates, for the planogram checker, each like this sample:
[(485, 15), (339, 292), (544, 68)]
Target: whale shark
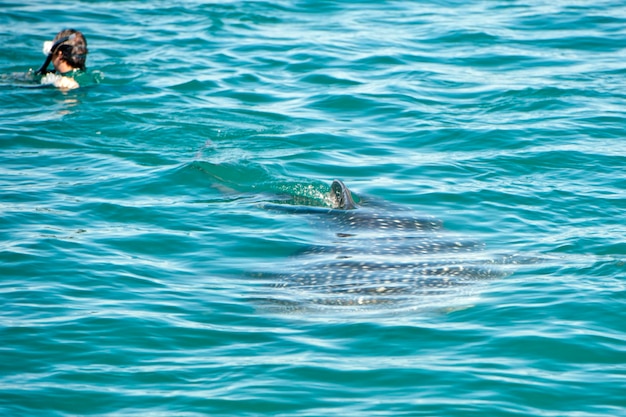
[(376, 255)]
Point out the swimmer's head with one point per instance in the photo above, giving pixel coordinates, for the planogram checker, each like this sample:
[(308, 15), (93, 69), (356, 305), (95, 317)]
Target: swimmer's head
[(68, 46)]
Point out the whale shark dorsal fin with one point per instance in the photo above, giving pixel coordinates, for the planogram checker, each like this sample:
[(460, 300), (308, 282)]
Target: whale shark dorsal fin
[(341, 197)]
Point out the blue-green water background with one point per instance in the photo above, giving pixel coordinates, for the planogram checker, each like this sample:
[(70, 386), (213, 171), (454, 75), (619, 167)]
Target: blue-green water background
[(131, 228)]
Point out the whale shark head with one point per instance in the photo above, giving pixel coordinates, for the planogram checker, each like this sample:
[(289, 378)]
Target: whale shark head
[(340, 196)]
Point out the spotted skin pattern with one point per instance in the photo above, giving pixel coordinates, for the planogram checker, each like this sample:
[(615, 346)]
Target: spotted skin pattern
[(377, 256)]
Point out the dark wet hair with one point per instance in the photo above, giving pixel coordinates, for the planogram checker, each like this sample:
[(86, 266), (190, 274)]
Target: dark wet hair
[(73, 48)]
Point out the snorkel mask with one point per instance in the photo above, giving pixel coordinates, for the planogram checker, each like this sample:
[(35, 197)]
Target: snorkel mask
[(49, 49)]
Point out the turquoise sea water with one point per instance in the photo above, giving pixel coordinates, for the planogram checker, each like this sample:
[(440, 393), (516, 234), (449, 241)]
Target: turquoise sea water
[(137, 255)]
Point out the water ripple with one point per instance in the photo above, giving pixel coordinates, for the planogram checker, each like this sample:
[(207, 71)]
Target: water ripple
[(133, 230)]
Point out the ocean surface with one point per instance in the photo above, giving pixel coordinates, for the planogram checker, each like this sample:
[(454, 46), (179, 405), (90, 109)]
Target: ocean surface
[(169, 248)]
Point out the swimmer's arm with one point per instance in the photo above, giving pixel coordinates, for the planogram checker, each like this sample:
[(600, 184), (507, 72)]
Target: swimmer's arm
[(59, 81), (66, 83)]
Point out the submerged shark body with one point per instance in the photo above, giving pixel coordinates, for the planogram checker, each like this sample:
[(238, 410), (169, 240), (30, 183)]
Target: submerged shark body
[(373, 256)]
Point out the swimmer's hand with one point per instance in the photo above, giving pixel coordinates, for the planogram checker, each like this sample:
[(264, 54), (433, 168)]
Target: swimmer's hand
[(47, 47)]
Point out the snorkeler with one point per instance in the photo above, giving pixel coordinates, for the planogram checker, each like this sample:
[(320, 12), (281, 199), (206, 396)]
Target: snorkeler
[(68, 53)]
